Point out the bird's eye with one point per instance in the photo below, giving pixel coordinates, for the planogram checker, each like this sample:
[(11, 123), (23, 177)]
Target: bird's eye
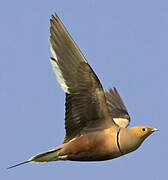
[(143, 129)]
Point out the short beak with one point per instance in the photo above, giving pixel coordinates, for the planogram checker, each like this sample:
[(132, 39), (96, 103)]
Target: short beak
[(154, 129)]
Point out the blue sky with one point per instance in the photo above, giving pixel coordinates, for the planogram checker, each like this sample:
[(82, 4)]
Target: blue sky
[(125, 42)]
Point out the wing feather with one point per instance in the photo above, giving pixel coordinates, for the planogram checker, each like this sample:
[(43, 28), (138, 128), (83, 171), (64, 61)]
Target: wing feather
[(117, 108), (86, 108)]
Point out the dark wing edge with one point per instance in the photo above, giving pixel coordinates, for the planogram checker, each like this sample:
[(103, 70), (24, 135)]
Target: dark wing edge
[(117, 108)]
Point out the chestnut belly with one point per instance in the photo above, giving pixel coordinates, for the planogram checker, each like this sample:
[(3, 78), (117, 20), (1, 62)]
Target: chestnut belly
[(96, 146)]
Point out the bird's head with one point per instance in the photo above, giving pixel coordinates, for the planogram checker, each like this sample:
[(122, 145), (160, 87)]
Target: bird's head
[(143, 132)]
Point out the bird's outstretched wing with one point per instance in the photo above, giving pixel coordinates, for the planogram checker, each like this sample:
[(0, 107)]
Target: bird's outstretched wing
[(117, 108), (86, 108)]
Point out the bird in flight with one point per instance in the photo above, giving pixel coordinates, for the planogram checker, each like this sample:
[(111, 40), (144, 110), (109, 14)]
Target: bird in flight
[(95, 120)]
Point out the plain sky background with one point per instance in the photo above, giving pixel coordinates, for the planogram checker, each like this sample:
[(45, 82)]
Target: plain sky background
[(125, 42)]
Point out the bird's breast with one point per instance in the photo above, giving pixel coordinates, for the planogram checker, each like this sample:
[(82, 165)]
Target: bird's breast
[(128, 141)]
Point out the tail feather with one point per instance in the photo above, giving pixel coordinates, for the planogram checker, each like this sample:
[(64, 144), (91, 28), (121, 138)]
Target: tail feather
[(18, 164), (52, 155)]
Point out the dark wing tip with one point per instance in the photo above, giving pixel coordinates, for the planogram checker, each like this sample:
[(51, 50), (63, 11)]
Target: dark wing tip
[(55, 17)]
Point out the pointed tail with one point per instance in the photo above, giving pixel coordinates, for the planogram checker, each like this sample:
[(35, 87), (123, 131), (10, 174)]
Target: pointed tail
[(18, 164), (52, 155)]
